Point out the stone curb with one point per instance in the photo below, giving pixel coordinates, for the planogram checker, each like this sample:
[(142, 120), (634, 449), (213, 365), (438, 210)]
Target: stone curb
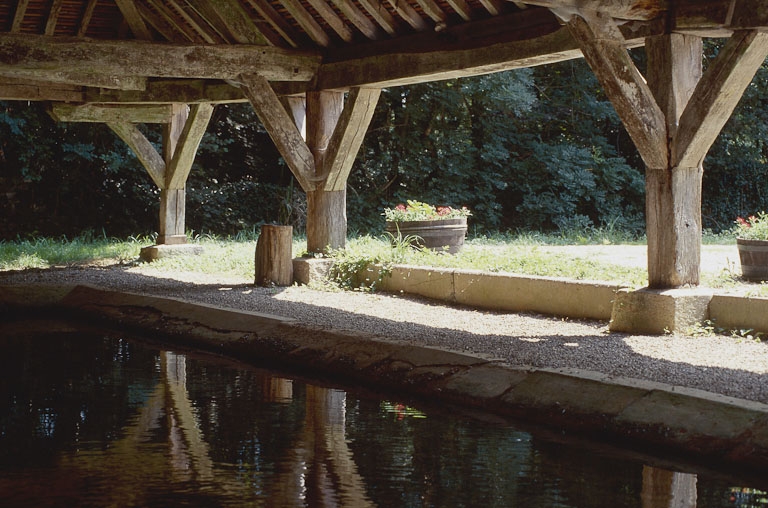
[(640, 414)]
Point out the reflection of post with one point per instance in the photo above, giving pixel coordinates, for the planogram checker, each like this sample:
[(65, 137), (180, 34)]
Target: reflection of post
[(332, 463), (276, 389), (668, 489), (193, 442)]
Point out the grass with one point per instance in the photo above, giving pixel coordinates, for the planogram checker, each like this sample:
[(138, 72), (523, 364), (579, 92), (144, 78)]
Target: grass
[(523, 253)]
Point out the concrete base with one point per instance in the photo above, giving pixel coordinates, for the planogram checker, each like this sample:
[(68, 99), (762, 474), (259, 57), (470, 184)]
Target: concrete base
[(154, 252), (306, 270), (649, 311)]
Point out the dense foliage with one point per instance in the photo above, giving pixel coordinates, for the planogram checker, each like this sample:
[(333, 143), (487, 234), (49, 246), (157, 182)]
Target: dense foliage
[(531, 149)]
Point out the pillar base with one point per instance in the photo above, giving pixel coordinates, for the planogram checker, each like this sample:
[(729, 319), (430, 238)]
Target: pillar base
[(154, 252), (650, 311), (306, 270)]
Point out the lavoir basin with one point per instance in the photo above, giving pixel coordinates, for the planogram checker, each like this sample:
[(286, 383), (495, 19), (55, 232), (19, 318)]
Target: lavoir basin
[(95, 418)]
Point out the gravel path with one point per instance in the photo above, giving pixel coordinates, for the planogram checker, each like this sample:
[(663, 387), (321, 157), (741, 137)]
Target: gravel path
[(731, 366)]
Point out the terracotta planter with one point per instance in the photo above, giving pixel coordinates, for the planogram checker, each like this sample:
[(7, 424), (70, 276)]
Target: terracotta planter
[(441, 235), (754, 259)]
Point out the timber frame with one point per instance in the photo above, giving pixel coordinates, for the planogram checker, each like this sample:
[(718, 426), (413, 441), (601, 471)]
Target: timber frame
[(313, 71)]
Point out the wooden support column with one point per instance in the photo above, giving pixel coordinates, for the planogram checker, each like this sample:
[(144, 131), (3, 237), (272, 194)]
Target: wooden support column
[(173, 199), (673, 193), (183, 131), (335, 129), (673, 120), (326, 209)]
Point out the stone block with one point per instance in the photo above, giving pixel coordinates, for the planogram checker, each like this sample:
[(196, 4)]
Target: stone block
[(739, 313), (154, 252), (650, 311), (306, 270), (428, 282)]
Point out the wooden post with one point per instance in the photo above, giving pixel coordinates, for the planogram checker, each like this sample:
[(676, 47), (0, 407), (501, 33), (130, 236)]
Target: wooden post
[(274, 257), (673, 193), (326, 211), (172, 200)]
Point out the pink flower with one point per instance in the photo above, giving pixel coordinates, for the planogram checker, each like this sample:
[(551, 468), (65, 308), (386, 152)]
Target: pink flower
[(400, 207)]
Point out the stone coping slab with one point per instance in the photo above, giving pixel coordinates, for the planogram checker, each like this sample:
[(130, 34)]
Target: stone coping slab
[(640, 414)]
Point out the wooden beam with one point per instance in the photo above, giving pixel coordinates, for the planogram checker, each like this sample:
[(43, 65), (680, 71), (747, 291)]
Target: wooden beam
[(334, 21), (143, 149), (132, 16), (494, 7), (433, 10), (196, 22), (77, 79), (189, 141), (53, 17), (86, 19), (348, 136), (620, 9), (425, 58), (281, 129), (717, 94), (44, 55), (95, 113), (167, 91), (307, 22), (237, 21), (27, 90), (381, 15), (168, 24), (276, 21), (462, 8), (18, 15), (603, 47), (409, 14), (359, 19)]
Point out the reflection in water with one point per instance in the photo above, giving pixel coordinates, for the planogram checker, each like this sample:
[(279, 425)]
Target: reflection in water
[(93, 421)]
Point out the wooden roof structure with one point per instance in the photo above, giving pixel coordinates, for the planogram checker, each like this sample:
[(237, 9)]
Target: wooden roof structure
[(313, 71), (134, 50)]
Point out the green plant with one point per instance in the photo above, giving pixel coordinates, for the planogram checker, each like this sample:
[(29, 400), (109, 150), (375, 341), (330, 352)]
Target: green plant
[(753, 227), (417, 210)]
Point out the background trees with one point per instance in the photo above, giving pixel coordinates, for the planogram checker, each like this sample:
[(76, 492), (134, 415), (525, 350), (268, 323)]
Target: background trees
[(535, 149)]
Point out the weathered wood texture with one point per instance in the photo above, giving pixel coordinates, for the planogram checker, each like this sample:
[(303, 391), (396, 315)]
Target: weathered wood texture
[(96, 113), (604, 49), (274, 256), (143, 149), (172, 217), (46, 55), (673, 193), (326, 220)]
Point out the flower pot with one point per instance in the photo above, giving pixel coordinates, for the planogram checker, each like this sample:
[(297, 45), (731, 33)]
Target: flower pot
[(441, 235), (754, 259)]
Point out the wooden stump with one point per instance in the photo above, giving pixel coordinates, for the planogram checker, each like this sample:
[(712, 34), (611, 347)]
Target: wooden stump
[(274, 257)]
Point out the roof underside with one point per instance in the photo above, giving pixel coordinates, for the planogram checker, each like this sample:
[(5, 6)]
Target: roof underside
[(49, 48)]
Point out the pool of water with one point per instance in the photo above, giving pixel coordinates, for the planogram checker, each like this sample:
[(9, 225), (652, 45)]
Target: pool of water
[(95, 419)]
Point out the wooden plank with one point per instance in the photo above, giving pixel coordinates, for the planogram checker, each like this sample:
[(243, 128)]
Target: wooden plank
[(169, 24), (196, 22), (334, 21), (86, 19), (348, 136), (307, 22), (130, 12), (143, 149), (359, 19), (189, 141), (45, 55), (24, 90), (494, 7), (18, 16), (409, 14), (717, 94), (238, 23), (168, 91), (78, 79), (381, 15), (203, 9), (297, 108), (280, 128), (433, 10), (462, 8), (53, 17), (276, 21), (95, 113), (604, 50)]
